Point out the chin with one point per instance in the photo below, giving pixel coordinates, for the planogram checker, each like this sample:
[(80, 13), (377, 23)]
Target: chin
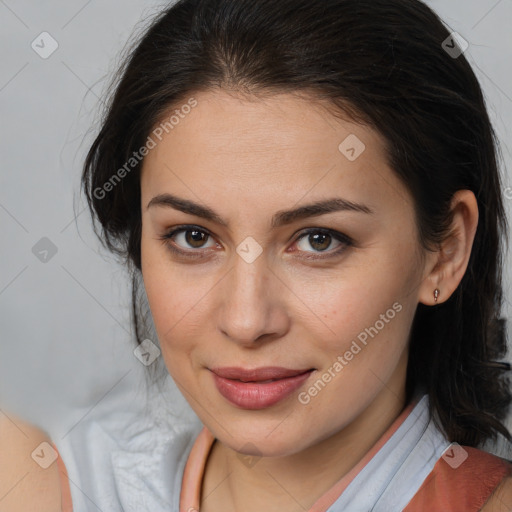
[(266, 440)]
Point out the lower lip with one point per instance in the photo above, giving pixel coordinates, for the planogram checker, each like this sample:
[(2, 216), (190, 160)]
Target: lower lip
[(252, 395)]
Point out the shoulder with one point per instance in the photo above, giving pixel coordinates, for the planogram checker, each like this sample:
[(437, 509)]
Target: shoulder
[(29, 479), (501, 499), (466, 478)]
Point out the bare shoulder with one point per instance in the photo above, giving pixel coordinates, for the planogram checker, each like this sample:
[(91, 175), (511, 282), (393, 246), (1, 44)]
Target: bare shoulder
[(501, 499), (25, 481)]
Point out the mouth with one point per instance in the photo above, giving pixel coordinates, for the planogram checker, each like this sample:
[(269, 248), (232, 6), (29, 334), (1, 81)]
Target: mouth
[(258, 388)]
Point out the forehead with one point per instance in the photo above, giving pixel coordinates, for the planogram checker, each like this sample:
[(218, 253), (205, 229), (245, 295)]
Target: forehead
[(282, 142)]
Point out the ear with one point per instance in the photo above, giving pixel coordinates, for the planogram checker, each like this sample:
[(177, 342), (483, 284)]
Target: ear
[(446, 267)]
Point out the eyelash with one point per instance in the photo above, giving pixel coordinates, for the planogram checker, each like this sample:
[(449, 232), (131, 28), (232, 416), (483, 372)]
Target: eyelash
[(166, 239)]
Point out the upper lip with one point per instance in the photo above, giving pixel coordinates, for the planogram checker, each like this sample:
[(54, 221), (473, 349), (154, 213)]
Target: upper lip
[(257, 374)]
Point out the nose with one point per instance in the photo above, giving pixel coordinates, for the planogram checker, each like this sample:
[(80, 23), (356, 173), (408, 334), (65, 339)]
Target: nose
[(252, 303)]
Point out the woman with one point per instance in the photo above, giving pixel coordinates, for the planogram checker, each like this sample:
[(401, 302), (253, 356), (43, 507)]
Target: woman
[(309, 191)]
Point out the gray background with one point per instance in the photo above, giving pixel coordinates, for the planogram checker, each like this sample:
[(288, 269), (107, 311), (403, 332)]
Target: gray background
[(65, 328)]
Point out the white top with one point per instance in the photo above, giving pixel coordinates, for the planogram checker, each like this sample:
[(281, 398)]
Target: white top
[(124, 461), (125, 457)]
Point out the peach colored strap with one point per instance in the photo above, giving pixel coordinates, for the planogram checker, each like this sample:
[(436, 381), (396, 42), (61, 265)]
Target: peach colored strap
[(328, 498), (67, 505), (194, 471), (466, 487), (196, 462)]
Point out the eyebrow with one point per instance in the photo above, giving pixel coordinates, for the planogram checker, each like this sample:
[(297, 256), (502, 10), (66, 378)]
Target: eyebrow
[(281, 218)]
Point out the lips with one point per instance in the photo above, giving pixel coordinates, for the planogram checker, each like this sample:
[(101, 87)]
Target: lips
[(257, 374), (260, 387)]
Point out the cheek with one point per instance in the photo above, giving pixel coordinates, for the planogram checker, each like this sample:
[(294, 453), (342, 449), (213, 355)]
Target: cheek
[(170, 302), (371, 305), (365, 331), (177, 300), (355, 298), (335, 307), (167, 297)]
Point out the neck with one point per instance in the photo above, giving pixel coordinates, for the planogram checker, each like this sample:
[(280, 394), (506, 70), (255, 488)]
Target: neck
[(297, 481)]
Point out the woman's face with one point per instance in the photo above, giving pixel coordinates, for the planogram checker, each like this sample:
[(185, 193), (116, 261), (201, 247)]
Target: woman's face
[(266, 277)]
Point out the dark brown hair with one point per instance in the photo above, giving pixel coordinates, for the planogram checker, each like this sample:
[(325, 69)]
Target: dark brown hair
[(379, 62)]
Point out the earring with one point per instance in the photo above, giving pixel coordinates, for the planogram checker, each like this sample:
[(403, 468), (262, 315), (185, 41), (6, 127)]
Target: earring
[(436, 294)]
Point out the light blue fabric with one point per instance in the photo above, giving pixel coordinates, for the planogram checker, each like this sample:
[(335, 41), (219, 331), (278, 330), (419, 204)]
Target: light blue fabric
[(394, 475), (122, 457), (128, 461)]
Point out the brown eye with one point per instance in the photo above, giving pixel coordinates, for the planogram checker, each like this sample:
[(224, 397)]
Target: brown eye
[(186, 241), (195, 238), (189, 241), (321, 240)]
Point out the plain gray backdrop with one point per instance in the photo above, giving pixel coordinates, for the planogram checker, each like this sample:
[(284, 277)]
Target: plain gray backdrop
[(64, 313)]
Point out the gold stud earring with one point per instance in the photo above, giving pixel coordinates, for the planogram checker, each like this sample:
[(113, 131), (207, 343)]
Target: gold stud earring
[(436, 294)]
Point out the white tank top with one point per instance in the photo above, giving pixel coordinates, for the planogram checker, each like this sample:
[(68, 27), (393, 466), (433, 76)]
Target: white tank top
[(133, 460)]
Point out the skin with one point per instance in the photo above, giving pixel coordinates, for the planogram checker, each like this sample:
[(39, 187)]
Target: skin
[(24, 484), (501, 499), (248, 158)]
